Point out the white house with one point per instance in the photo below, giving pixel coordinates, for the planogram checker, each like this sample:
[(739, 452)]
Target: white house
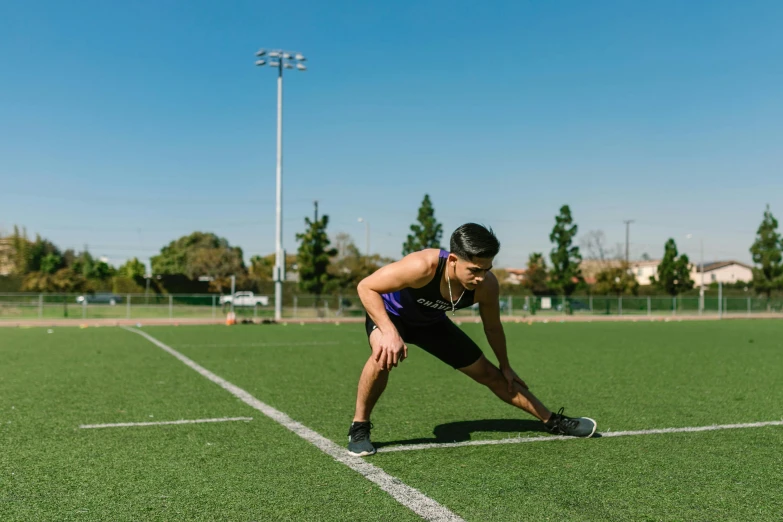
[(515, 276), (643, 270), (722, 272), (716, 272)]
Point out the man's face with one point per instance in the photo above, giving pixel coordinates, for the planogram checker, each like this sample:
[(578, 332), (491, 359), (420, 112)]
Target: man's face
[(470, 273)]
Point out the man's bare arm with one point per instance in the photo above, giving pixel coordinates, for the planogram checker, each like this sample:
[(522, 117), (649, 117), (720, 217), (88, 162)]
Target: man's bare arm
[(412, 271), (489, 306)]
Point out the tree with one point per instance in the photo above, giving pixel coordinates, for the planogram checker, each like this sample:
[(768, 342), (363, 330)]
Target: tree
[(21, 248), (616, 280), (69, 256), (594, 243), (130, 278), (102, 271), (767, 251), (565, 274), (313, 257), (349, 266), (51, 263), (199, 254), (92, 269), (216, 263), (536, 275), (261, 268), (673, 272), (39, 250), (502, 275), (427, 232), (64, 280), (132, 269)]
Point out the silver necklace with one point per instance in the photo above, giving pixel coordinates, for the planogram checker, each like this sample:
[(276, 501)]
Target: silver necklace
[(451, 297)]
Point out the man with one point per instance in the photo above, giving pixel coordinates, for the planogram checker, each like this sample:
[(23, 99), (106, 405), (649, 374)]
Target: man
[(407, 302)]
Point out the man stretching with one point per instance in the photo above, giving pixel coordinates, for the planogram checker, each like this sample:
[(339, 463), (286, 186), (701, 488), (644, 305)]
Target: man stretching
[(407, 302)]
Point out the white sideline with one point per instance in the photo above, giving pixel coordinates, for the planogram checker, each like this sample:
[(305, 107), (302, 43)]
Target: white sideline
[(519, 440), (161, 423), (409, 497)]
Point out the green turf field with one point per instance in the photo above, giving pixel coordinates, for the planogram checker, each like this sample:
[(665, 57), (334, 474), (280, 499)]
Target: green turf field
[(635, 376)]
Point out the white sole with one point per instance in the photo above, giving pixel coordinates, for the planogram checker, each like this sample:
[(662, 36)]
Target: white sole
[(362, 454)]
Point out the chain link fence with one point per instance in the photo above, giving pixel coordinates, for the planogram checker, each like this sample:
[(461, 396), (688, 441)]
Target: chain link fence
[(30, 306)]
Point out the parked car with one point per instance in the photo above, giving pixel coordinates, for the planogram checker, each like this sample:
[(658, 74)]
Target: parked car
[(99, 298), (245, 299), (575, 305)]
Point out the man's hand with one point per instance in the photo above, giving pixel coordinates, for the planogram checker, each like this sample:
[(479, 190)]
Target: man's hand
[(512, 377), (392, 350)]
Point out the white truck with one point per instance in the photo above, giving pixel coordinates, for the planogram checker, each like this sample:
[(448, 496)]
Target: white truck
[(244, 299)]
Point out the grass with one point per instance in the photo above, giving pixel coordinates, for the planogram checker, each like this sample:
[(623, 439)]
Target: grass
[(626, 376)]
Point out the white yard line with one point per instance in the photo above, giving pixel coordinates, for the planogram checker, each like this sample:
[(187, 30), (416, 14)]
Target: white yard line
[(548, 438), (260, 344), (162, 423), (409, 497)]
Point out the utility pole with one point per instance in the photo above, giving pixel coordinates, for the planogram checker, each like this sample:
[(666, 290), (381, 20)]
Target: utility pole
[(316, 210), (627, 235), (366, 240)]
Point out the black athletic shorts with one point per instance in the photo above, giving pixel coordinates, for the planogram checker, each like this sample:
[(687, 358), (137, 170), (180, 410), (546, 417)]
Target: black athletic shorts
[(443, 339)]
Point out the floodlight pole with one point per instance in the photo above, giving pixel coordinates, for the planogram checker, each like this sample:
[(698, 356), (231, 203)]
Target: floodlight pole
[(284, 60), (279, 205)]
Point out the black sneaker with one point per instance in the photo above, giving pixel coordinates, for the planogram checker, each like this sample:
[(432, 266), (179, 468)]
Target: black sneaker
[(359, 443), (560, 424)]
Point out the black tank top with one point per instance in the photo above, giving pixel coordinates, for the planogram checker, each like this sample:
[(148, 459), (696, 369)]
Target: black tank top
[(425, 305)]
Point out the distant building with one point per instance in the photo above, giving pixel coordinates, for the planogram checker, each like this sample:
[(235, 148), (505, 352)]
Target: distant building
[(590, 268), (6, 256), (643, 270), (515, 276), (722, 272), (715, 272)]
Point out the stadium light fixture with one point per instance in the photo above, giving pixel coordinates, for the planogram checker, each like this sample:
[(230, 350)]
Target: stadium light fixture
[(280, 60)]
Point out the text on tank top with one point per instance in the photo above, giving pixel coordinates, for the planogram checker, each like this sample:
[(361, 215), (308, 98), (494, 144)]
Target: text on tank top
[(426, 305)]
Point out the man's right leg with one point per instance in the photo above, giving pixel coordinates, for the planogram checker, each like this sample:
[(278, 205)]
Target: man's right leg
[(371, 385)]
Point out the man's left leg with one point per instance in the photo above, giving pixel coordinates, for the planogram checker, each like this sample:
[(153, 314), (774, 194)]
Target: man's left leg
[(486, 373), (450, 344)]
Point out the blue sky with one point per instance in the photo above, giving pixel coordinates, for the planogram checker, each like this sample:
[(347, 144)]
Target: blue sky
[(127, 125)]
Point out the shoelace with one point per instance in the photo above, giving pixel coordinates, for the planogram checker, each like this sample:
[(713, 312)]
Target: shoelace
[(563, 423), (360, 432)]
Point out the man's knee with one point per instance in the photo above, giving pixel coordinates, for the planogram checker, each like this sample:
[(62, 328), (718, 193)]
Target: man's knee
[(483, 372), (375, 367)]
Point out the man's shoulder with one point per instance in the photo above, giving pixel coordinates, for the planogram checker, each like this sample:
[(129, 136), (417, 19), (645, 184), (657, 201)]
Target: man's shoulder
[(422, 263), (488, 289), (426, 260)]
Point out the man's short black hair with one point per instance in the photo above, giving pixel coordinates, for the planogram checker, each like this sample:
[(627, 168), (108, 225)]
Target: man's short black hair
[(471, 241)]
